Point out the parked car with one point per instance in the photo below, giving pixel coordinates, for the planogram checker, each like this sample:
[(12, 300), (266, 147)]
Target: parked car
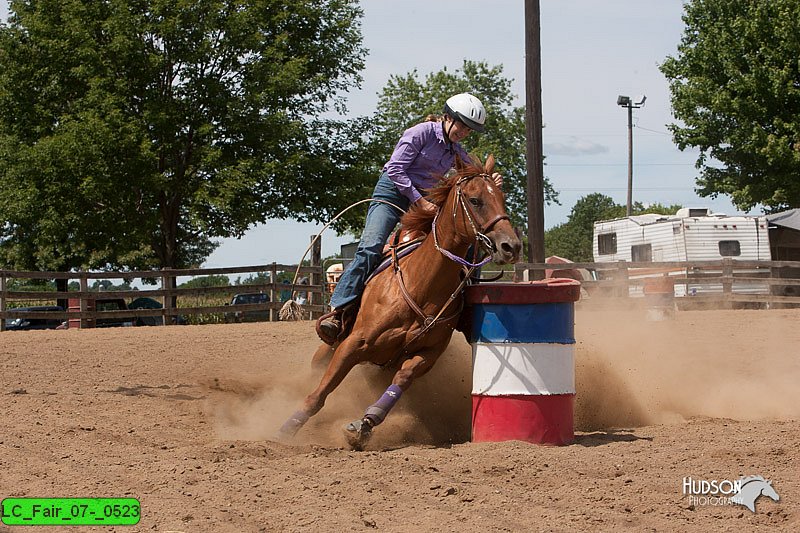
[(112, 304), (146, 303), (22, 324), (259, 315), (101, 304)]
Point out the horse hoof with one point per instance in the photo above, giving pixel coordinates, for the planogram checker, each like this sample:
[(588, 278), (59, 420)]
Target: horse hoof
[(283, 437), (357, 434)]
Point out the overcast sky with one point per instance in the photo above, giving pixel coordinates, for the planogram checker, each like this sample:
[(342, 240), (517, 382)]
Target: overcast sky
[(592, 51)]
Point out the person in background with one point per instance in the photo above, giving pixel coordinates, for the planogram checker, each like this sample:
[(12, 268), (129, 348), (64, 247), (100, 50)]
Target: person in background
[(302, 296), (423, 153)]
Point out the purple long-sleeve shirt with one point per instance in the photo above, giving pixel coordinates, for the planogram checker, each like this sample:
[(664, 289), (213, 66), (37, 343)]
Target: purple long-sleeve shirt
[(421, 156)]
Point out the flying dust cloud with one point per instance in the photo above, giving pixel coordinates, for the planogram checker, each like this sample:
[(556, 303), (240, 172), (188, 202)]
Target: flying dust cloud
[(630, 371)]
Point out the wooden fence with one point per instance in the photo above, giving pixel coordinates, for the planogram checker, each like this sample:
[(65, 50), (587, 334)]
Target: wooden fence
[(167, 293), (80, 309), (724, 283)]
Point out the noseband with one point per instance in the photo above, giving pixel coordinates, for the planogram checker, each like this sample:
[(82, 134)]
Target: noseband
[(480, 234)]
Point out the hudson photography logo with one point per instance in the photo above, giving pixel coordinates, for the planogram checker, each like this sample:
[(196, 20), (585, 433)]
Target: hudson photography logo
[(743, 491)]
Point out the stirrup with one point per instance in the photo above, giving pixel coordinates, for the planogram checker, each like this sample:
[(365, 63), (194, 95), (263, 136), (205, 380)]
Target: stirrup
[(332, 326)]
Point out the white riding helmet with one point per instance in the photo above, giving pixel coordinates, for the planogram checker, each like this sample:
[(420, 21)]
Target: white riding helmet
[(467, 109)]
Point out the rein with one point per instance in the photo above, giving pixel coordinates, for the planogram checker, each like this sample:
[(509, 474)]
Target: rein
[(430, 321)]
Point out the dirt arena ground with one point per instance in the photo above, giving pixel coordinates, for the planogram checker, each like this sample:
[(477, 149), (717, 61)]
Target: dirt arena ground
[(181, 418)]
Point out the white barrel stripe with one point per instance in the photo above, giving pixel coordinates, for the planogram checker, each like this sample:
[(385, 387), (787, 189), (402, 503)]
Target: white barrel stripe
[(500, 369)]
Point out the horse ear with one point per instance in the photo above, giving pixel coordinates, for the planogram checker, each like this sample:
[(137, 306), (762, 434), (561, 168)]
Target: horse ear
[(489, 166)]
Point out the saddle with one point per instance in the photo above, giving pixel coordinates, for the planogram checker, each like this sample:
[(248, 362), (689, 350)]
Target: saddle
[(401, 239), (404, 242)]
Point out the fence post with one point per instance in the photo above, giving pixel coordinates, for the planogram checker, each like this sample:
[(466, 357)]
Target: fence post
[(167, 284), (2, 300), (273, 294), (727, 276), (622, 279), (517, 273), (316, 276), (83, 306)]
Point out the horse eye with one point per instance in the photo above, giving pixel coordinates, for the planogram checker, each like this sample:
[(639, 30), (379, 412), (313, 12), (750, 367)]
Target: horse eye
[(476, 202)]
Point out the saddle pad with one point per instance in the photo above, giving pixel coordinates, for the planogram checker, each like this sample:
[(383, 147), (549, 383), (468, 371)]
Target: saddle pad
[(387, 260)]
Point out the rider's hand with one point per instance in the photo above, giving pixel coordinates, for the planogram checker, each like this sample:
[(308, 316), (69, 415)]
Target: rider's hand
[(425, 205), (498, 179)]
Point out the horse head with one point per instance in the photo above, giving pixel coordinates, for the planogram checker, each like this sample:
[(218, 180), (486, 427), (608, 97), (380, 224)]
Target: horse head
[(769, 491), (481, 205)]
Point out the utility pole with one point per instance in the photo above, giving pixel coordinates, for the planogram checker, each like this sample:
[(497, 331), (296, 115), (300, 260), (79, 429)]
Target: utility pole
[(630, 104), (533, 134), (629, 208)]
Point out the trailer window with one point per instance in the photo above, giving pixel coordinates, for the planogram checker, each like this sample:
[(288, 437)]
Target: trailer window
[(641, 252), (607, 243), (729, 248)]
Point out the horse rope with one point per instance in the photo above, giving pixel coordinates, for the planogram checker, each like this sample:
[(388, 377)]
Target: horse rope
[(292, 310)]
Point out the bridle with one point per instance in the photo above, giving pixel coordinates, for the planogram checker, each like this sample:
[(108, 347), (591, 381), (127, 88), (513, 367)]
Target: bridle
[(430, 321), (480, 234)]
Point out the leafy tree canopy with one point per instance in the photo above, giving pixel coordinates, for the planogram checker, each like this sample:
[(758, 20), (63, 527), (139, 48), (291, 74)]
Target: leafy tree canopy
[(405, 101), (202, 282), (735, 85), (134, 132), (573, 239)]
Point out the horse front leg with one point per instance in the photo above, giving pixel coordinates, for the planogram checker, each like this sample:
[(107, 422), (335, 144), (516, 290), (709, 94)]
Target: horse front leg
[(358, 432)]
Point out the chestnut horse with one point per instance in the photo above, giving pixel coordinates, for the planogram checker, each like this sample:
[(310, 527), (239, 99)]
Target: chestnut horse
[(408, 312)]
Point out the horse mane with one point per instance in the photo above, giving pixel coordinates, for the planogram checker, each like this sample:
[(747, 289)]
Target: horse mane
[(748, 479), (417, 219)]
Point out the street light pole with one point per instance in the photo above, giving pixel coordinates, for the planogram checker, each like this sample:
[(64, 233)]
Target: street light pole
[(626, 101)]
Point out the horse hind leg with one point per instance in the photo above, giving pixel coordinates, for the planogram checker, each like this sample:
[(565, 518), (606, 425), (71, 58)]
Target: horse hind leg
[(322, 357), (358, 432)]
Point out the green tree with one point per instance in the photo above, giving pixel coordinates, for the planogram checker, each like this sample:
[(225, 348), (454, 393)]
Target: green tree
[(735, 84), (254, 279), (108, 285), (201, 282), (573, 239), (135, 132), (405, 101)]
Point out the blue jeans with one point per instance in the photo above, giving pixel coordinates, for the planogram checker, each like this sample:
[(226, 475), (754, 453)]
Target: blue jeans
[(381, 220)]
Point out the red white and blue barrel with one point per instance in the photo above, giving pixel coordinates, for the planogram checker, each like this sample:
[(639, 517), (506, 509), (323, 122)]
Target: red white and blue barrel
[(523, 360)]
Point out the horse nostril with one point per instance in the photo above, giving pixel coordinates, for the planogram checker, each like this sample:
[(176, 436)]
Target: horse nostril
[(511, 249)]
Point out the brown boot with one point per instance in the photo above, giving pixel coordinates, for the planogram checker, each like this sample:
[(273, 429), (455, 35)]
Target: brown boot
[(330, 328)]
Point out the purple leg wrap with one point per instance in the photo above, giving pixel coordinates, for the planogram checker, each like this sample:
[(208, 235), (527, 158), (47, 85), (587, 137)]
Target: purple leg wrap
[(295, 422), (378, 410)]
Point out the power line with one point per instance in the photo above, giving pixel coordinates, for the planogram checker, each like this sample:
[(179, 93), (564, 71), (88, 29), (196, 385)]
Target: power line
[(618, 164), (653, 131), (579, 135), (578, 189)]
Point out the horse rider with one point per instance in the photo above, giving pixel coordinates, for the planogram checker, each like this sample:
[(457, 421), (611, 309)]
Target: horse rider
[(424, 151)]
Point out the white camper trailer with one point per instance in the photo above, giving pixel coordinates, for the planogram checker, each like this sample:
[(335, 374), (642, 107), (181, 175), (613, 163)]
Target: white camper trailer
[(688, 235)]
